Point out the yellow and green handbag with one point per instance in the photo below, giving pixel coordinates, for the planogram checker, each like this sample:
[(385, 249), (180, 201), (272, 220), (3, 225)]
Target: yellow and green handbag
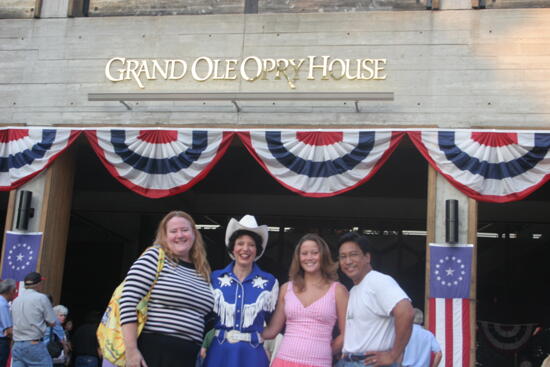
[(109, 332)]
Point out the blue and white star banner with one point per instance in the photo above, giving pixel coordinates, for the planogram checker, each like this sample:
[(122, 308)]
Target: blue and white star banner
[(321, 163), (488, 166), (24, 153), (159, 163), (20, 254)]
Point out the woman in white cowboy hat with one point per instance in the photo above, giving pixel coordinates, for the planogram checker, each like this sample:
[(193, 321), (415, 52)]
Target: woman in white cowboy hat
[(243, 295)]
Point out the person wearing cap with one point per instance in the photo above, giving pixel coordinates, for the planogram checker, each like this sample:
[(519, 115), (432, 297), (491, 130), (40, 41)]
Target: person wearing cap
[(32, 314), (244, 295), (8, 290)]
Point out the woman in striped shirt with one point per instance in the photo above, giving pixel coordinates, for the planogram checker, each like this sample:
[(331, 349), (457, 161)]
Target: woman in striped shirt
[(180, 297), (309, 305)]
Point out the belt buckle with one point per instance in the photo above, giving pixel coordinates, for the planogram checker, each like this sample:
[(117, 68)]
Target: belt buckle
[(233, 336)]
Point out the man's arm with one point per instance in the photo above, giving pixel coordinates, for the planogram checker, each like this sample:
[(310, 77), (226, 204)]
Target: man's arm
[(47, 312), (403, 315), (437, 359)]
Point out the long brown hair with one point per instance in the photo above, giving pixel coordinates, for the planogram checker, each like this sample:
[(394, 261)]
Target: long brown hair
[(197, 252), (328, 267)]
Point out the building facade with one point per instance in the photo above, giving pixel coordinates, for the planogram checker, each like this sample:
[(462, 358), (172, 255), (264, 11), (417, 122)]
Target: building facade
[(239, 66)]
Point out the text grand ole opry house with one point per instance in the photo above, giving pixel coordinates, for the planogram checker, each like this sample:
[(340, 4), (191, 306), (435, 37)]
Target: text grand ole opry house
[(423, 124)]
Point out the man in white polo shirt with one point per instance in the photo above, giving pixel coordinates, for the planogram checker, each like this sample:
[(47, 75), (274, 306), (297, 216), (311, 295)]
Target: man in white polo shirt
[(32, 314), (379, 316)]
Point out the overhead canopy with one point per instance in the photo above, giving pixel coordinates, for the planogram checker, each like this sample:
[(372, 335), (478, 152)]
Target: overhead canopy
[(487, 166)]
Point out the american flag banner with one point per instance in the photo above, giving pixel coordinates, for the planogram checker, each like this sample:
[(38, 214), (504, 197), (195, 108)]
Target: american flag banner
[(449, 303)]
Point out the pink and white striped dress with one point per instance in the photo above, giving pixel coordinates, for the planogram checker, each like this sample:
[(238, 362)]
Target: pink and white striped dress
[(308, 331)]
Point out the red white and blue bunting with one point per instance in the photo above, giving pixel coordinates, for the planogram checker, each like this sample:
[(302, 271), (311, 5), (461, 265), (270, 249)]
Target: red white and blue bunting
[(505, 337), (159, 163), (321, 163), (24, 153), (488, 166)]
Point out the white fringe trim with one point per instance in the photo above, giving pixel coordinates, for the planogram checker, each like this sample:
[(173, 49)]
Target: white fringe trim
[(224, 310), (267, 300)]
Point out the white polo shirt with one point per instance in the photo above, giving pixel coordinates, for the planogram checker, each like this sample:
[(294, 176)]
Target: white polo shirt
[(369, 325)]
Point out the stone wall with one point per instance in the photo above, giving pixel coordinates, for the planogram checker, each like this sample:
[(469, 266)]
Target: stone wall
[(508, 4), (164, 7), (170, 7), (464, 68), (13, 9)]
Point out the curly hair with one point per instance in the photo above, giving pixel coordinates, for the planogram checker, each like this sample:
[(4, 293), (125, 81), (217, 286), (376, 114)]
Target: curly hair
[(198, 250)]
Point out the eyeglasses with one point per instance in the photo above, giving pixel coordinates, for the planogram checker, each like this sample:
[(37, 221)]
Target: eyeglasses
[(352, 256)]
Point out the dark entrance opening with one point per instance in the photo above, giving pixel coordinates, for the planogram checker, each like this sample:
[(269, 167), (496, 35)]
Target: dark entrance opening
[(513, 279), (110, 225)]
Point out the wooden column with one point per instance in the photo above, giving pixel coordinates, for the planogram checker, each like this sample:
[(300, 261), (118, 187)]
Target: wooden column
[(440, 190), (52, 195), (472, 238), (430, 237), (54, 221)]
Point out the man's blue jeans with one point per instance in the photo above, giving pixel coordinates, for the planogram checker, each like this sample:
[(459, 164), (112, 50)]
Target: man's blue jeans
[(30, 354)]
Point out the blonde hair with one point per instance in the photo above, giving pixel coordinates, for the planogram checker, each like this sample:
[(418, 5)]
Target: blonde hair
[(197, 252), (328, 267)]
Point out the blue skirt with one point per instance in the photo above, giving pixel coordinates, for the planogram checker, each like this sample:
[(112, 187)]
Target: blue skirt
[(240, 354)]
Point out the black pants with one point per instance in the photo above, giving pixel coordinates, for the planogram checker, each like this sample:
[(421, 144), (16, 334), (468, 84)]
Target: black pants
[(160, 350), (4, 351)]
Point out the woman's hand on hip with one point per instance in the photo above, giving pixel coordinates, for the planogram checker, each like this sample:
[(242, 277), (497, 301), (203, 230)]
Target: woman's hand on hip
[(134, 358)]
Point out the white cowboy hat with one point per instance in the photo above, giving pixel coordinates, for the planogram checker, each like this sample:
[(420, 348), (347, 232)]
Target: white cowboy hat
[(247, 223)]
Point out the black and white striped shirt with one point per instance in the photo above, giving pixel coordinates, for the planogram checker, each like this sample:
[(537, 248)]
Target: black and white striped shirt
[(180, 299)]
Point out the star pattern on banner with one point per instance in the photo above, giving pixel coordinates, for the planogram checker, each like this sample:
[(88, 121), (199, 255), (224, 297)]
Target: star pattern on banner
[(20, 256), (449, 271), (259, 282), (225, 281)]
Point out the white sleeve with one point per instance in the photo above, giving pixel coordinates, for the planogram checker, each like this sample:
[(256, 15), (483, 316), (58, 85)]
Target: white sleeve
[(388, 293)]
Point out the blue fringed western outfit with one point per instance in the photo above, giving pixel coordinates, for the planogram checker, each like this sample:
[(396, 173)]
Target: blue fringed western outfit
[(242, 307)]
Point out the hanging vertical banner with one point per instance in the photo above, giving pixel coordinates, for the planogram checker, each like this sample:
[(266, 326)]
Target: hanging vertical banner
[(159, 163), (488, 166), (24, 153), (321, 163), (449, 317)]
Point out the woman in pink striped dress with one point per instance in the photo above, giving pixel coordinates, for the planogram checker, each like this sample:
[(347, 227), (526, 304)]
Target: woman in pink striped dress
[(309, 306)]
